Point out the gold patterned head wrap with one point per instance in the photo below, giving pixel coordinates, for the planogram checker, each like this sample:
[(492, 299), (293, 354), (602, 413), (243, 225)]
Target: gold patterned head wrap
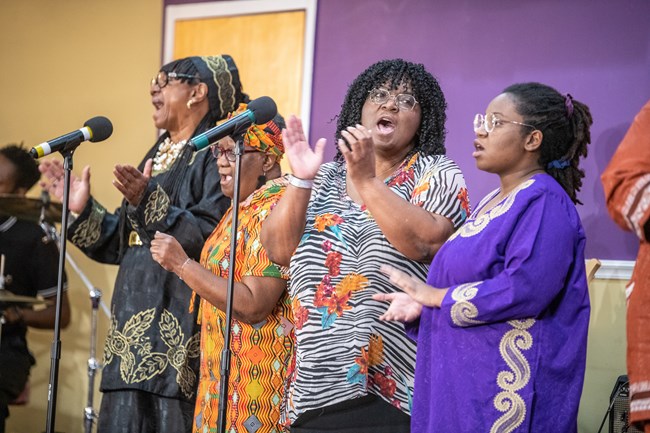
[(266, 137), (222, 78)]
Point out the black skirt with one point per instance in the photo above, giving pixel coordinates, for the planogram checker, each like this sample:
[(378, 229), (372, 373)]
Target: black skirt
[(369, 414)]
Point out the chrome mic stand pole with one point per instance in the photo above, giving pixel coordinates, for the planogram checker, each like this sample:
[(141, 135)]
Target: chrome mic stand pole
[(226, 353), (90, 415)]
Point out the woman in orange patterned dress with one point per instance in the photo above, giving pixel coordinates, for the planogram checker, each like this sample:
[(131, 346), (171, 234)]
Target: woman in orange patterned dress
[(262, 327)]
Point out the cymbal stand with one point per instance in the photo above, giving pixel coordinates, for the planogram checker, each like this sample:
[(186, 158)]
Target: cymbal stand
[(53, 234), (90, 415)]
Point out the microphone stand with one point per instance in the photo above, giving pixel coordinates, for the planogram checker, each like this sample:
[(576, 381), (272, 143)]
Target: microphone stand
[(226, 353), (56, 342), (90, 415)]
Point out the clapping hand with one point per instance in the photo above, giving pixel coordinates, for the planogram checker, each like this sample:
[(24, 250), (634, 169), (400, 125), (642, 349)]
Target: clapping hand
[(52, 182), (358, 149), (402, 306), (168, 252), (131, 182)]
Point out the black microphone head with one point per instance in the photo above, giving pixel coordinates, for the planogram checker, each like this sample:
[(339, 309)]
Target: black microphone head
[(101, 127), (263, 108)]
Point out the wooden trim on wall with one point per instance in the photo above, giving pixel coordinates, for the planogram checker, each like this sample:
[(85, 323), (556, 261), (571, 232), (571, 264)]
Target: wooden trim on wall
[(615, 270)]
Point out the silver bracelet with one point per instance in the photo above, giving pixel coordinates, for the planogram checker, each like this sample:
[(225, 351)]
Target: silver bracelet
[(300, 183), (180, 273)]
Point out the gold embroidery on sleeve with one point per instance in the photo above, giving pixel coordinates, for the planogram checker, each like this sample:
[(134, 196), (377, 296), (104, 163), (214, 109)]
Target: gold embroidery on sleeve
[(156, 207), (510, 381), (463, 312), (89, 231)]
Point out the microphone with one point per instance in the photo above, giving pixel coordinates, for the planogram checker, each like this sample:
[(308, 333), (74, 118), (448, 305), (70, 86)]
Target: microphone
[(96, 129), (258, 111)]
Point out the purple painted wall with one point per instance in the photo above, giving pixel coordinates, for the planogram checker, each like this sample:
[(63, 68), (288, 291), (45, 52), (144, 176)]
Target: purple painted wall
[(597, 50)]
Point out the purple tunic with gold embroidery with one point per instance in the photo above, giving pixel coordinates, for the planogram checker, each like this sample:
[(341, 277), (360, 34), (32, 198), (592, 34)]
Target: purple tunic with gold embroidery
[(506, 351)]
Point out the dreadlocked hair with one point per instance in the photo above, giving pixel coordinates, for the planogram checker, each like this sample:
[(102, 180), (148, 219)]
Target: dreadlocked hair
[(564, 123), (430, 137), (27, 173)]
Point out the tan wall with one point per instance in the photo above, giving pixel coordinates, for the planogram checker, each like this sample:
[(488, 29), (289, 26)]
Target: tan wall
[(605, 351), (64, 62)]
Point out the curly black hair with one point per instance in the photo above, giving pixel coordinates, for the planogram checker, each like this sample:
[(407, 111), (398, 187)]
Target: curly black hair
[(564, 123), (27, 173), (430, 137)]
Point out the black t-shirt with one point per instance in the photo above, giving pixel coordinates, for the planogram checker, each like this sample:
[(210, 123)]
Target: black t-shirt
[(31, 265)]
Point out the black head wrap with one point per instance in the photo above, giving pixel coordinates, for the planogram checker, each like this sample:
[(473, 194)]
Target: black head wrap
[(222, 78)]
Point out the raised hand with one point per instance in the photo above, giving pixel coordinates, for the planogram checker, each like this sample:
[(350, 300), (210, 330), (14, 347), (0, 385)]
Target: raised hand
[(131, 183), (53, 182), (304, 160), (416, 289)]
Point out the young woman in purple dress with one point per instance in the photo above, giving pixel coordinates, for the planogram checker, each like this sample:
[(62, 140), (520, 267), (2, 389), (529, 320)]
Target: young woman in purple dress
[(501, 325)]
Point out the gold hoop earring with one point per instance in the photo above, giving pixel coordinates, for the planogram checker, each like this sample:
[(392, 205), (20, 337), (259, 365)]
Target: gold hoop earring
[(189, 104)]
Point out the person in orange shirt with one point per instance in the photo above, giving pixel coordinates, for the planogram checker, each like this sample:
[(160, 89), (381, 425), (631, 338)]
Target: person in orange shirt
[(626, 181)]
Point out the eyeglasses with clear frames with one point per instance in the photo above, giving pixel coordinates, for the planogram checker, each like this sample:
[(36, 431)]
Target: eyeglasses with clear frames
[(490, 121), (229, 154), (162, 79), (404, 101)]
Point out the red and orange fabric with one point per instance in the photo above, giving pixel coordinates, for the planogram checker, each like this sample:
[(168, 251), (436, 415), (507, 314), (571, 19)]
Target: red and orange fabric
[(626, 181), (261, 352), (266, 137)]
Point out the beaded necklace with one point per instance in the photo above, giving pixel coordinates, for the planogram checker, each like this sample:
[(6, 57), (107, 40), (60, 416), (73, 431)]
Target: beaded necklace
[(167, 153)]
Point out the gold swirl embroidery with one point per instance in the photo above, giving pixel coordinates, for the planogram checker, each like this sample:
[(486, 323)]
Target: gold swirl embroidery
[(131, 343), (88, 232), (224, 81), (510, 381), (157, 206), (474, 227), (463, 312)]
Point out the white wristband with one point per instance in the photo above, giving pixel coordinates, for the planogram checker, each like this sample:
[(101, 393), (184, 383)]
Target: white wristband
[(300, 183)]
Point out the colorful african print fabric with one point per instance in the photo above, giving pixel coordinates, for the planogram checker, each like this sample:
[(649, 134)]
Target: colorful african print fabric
[(260, 352), (343, 350), (506, 351)]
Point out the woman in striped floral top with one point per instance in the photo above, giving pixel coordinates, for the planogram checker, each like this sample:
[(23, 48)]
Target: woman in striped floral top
[(389, 197)]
